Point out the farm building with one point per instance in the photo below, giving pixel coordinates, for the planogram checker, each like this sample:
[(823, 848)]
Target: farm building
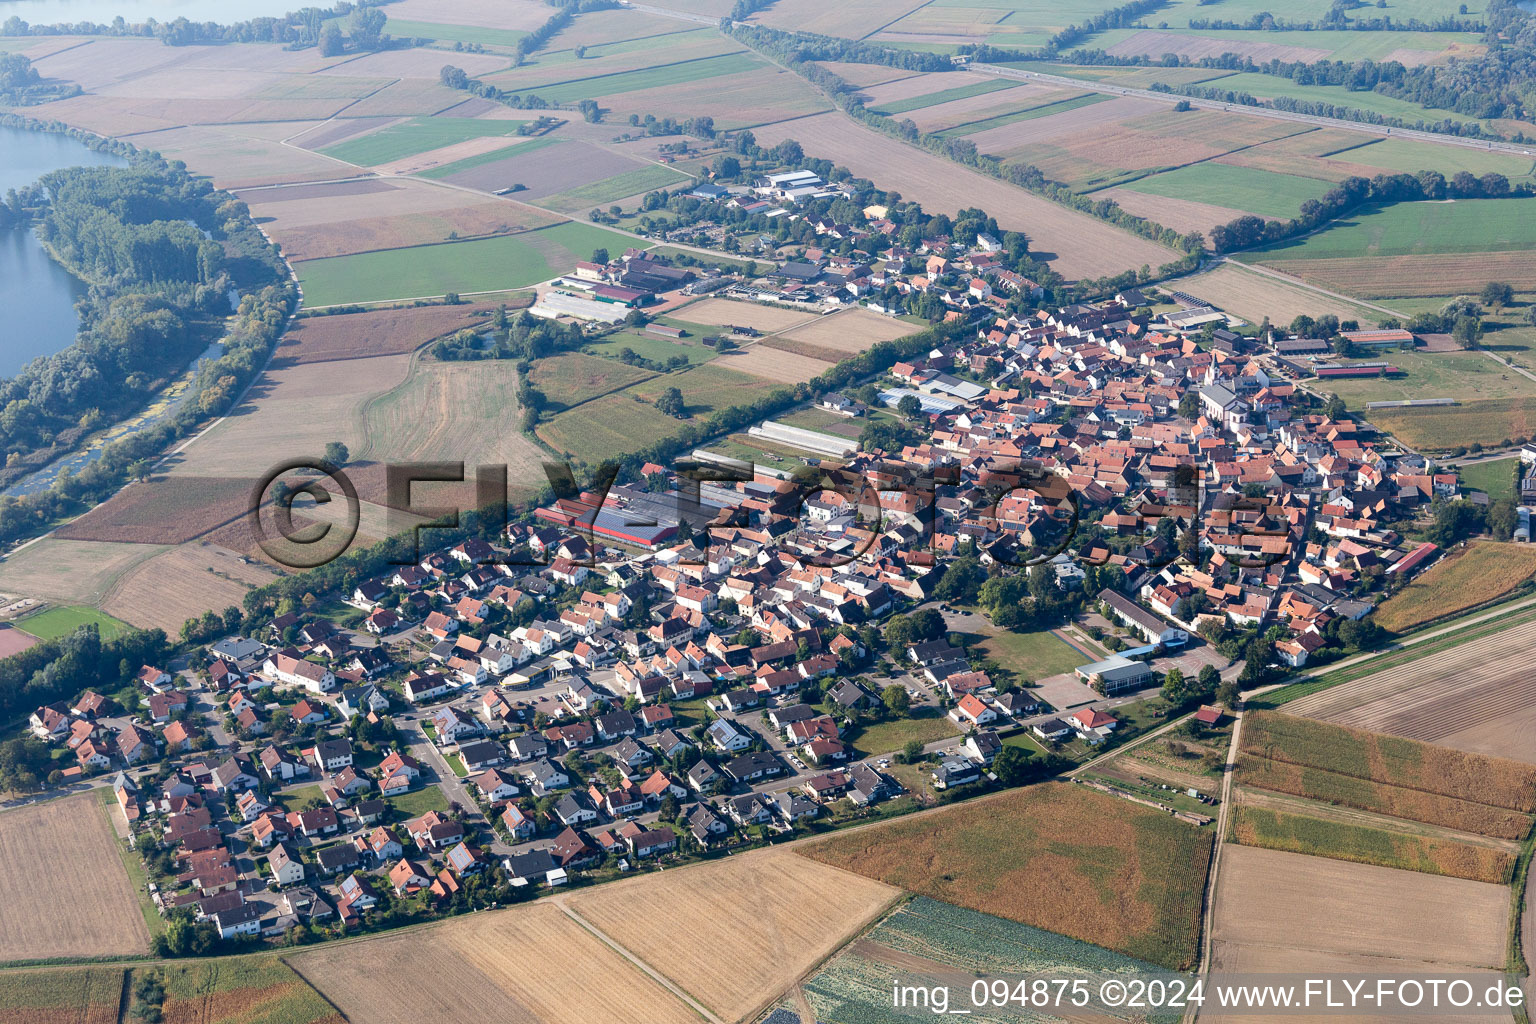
[(810, 440), (1380, 339), (1413, 559), (1358, 370), (662, 330), (558, 304), (1301, 347)]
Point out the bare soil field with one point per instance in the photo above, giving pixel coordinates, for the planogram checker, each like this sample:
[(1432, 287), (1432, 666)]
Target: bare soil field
[(546, 170), (409, 97), (380, 332), (328, 133), (1475, 697), (1154, 43), (774, 364), (415, 63), (235, 161), (522, 15), (747, 911), (63, 854), (1253, 296), (70, 571), (291, 412), (741, 100), (162, 510), (1052, 127), (1279, 911), (181, 583), (988, 104), (274, 195), (1478, 573), (452, 972), (851, 331), (1082, 246), (103, 62), (446, 155), (1389, 277), (1019, 855), (729, 313), (1180, 214), (853, 19)]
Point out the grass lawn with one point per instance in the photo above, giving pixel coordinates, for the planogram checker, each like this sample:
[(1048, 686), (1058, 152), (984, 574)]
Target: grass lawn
[(1239, 188), (1033, 656), (453, 33), (707, 388), (1404, 229), (1465, 376), (456, 763), (484, 265), (52, 623), (888, 737), (608, 190), (418, 802), (943, 96), (418, 135), (469, 163), (297, 799), (1495, 479), (651, 346), (1492, 423)]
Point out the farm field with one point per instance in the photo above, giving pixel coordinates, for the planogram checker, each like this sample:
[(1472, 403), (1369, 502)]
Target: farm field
[(417, 135), (1180, 214), (747, 911), (1136, 891), (63, 852), (475, 962), (759, 317), (647, 346), (1278, 911), (705, 389), (771, 363), (381, 332), (1082, 246), (1410, 156), (239, 989), (1393, 277), (850, 331), (455, 161), (1493, 423), (163, 510), (853, 19), (1058, 104), (1459, 226), (935, 940), (493, 264), (609, 190), (1253, 296), (1384, 774), (915, 93), (1405, 47), (78, 995), (1239, 188), (182, 583), (607, 427), (1474, 697), (571, 378), (1469, 377), (70, 572), (53, 623)]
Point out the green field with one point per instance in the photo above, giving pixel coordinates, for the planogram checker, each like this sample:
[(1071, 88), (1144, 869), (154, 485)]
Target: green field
[(608, 190), (1409, 157), (606, 428), (649, 346), (1239, 188), (1493, 423), (943, 96), (1269, 86), (574, 377), (707, 388), (469, 163), (53, 623), (571, 90), (1343, 44), (1495, 479), (1364, 844), (418, 802), (1029, 114), (1403, 229), (1033, 656), (1465, 376), (453, 33), (890, 736), (484, 265), (418, 135)]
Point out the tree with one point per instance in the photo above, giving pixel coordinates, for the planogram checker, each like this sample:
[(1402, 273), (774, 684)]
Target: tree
[(1334, 408), (581, 51), (366, 26), (336, 453), (1182, 106), (600, 255), (1530, 314), (896, 699), (912, 752), (331, 41), (1209, 681), (671, 402), (910, 407), (1174, 690), (1498, 294), (1015, 766), (1227, 693), (1467, 331), (727, 166)]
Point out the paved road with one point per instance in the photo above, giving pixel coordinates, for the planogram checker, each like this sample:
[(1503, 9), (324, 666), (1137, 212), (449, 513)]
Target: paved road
[(1278, 115)]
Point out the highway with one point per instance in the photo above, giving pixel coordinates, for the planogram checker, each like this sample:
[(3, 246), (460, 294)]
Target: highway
[(1278, 115)]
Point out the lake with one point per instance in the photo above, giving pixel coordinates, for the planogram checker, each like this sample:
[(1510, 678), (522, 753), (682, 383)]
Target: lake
[(37, 295), (101, 12)]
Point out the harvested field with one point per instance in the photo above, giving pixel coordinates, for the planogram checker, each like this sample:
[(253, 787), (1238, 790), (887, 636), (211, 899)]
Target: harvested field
[(1073, 122), (926, 89), (1377, 277), (234, 161), (1436, 429), (544, 169), (1277, 911), (1137, 889), (409, 97), (1155, 44), (747, 911), (1078, 245), (453, 411), (971, 110), (69, 571), (754, 94), (163, 510), (801, 348), (1253, 296), (774, 364), (729, 313), (476, 962), (181, 583), (573, 377), (522, 15), (853, 19), (83, 995), (1180, 214), (851, 331), (415, 63), (290, 412), (103, 62), (63, 853), (1470, 577), (1475, 697), (864, 75), (1384, 847), (381, 332)]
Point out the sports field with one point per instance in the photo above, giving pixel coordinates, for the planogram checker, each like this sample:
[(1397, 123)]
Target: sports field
[(56, 622), (485, 265)]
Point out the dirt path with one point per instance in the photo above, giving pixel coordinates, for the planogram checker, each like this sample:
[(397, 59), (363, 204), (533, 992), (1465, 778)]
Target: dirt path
[(1208, 914), (644, 967)]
